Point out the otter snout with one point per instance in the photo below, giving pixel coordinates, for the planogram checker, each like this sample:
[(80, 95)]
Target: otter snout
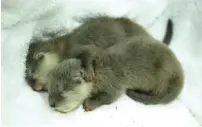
[(36, 84), (65, 104), (52, 102), (52, 105), (55, 100), (31, 81)]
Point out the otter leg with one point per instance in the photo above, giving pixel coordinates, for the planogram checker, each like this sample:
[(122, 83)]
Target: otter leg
[(87, 63), (99, 99), (88, 55)]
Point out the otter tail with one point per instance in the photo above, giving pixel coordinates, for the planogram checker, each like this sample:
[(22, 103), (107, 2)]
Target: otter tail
[(169, 32), (172, 91)]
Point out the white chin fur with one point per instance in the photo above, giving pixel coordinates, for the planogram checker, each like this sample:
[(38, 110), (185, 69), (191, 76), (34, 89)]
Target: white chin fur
[(74, 98), (68, 107)]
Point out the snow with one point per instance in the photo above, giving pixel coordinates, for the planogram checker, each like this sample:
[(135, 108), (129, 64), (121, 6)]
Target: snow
[(22, 19)]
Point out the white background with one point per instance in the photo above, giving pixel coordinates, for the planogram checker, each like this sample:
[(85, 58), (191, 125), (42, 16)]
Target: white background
[(21, 19)]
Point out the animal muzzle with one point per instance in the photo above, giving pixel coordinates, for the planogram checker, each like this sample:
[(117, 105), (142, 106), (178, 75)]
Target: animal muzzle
[(36, 85)]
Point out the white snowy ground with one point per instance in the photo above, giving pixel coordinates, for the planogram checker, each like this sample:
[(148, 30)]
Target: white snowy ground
[(22, 18)]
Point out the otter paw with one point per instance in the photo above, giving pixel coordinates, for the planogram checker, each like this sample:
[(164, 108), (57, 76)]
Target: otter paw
[(87, 106), (89, 75), (37, 88)]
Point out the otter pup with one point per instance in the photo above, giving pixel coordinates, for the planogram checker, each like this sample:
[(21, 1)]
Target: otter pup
[(100, 31), (146, 70), (63, 95)]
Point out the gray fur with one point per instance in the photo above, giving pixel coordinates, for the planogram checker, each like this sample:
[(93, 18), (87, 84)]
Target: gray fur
[(100, 31), (65, 90), (144, 69)]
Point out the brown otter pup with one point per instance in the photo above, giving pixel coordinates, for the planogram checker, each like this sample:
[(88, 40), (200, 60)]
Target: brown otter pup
[(100, 31)]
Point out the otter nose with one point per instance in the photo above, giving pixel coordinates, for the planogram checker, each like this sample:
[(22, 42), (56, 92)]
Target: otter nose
[(37, 87), (52, 105)]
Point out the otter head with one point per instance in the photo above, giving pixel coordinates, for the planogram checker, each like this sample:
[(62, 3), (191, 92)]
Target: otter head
[(67, 88), (42, 56), (38, 68)]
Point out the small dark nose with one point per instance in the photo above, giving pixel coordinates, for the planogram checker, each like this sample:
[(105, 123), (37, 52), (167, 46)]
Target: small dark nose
[(52, 105)]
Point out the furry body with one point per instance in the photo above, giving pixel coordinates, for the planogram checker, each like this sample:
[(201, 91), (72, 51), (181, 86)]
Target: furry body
[(100, 31), (144, 69)]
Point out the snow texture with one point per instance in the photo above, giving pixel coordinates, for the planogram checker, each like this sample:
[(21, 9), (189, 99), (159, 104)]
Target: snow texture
[(21, 19)]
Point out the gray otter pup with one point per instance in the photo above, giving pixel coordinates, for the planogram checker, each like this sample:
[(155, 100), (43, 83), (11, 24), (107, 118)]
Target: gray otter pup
[(64, 95), (146, 70), (99, 31)]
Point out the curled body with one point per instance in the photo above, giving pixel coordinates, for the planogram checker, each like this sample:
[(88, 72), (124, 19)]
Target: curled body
[(146, 70), (99, 31)]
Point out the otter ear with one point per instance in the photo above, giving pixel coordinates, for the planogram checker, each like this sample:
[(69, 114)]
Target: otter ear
[(39, 56)]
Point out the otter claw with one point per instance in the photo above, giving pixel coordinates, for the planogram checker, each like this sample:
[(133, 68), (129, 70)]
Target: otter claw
[(87, 107)]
